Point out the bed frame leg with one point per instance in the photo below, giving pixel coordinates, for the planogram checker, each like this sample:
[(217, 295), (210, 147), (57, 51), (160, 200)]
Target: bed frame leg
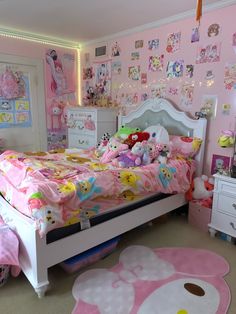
[(41, 291)]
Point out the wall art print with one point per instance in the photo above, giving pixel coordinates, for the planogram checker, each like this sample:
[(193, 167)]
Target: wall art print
[(102, 77), (213, 30), (175, 68), (187, 94), (209, 53), (15, 102), (134, 72), (173, 42), (135, 55), (115, 49), (116, 67), (138, 44), (189, 70), (153, 44), (60, 72), (156, 63), (230, 76), (220, 164)]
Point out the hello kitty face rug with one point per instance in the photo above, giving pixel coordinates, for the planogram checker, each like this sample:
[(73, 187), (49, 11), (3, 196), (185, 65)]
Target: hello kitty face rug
[(159, 281)]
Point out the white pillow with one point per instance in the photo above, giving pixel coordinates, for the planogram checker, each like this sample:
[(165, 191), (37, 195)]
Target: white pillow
[(158, 133)]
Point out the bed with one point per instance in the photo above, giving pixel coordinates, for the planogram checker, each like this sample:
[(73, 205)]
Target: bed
[(37, 254)]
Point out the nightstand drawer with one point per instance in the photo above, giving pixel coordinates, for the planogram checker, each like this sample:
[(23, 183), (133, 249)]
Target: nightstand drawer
[(80, 141), (226, 188), (224, 223), (226, 204)]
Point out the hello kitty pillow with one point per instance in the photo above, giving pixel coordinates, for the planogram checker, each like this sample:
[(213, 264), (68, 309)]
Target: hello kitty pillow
[(185, 146), (158, 134)]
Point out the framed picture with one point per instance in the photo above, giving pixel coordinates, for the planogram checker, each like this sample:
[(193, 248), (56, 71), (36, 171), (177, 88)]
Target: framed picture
[(220, 164)]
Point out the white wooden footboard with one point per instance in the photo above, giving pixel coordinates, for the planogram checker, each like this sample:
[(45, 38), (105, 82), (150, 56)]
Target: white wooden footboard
[(36, 256)]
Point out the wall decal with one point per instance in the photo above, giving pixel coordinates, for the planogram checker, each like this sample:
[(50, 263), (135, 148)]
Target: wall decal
[(209, 105), (195, 35), (226, 109), (213, 30), (173, 91), (158, 90), (143, 78), (87, 73)]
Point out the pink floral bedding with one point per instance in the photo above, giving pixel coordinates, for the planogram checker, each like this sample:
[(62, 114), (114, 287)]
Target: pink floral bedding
[(55, 188)]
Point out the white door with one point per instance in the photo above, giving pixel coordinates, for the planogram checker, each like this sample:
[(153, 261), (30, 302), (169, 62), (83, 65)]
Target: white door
[(30, 136)]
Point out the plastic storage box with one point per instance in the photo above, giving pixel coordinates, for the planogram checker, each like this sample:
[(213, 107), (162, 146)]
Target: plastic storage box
[(90, 256)]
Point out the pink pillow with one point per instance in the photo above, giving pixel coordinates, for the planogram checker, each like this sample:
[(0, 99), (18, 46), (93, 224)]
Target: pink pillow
[(184, 145)]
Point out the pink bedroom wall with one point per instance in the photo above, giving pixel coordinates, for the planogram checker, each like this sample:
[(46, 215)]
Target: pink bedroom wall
[(188, 51), (24, 48)]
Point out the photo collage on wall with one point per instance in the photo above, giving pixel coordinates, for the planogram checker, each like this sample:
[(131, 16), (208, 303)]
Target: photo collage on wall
[(15, 101)]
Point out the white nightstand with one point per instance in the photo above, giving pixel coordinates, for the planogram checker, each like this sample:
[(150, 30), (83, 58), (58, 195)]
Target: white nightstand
[(86, 125), (223, 217)]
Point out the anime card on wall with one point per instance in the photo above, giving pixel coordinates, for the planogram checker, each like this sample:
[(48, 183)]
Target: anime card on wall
[(175, 68), (153, 44), (173, 42), (187, 94), (102, 77), (116, 67), (156, 63), (134, 72), (209, 53), (230, 76)]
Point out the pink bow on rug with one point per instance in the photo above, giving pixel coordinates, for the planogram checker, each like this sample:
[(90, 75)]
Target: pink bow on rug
[(167, 280)]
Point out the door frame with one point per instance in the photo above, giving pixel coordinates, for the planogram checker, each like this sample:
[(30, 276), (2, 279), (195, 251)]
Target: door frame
[(39, 83)]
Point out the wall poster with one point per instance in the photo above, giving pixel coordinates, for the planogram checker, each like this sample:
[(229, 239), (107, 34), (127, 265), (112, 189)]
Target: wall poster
[(15, 106)]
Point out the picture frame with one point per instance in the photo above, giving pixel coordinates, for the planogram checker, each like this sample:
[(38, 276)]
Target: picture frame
[(220, 164)]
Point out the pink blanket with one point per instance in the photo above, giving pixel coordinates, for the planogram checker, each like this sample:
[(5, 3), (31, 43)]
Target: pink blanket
[(53, 188)]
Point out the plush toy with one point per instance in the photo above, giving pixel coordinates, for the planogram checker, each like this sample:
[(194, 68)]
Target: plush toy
[(150, 152), (164, 153), (158, 133), (125, 131), (102, 144), (201, 190), (113, 149), (136, 137), (132, 158), (226, 139)]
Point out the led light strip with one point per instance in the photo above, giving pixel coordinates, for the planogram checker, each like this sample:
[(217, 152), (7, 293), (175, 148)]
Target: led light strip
[(38, 38)]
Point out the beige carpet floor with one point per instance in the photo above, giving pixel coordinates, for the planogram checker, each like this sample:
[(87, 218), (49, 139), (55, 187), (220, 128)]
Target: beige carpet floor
[(18, 297)]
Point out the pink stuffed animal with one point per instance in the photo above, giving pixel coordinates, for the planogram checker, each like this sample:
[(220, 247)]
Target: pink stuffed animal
[(151, 152), (113, 149), (164, 153)]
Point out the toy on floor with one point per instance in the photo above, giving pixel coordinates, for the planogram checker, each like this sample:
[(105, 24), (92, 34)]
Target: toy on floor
[(201, 190)]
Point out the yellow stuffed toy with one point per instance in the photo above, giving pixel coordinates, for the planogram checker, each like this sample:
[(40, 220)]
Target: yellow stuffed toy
[(226, 139)]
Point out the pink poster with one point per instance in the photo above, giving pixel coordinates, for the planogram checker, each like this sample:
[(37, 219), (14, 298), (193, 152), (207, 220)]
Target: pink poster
[(60, 72)]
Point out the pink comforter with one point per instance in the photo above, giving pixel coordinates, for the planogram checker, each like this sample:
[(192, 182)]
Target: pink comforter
[(52, 188)]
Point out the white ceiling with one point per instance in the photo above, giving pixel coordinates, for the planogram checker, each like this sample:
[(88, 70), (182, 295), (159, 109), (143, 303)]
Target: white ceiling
[(86, 20)]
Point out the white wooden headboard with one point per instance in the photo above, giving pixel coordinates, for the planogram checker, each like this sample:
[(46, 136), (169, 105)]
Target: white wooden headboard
[(158, 110)]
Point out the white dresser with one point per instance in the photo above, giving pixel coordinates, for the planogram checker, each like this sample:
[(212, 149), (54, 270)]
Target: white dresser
[(86, 125), (223, 216)]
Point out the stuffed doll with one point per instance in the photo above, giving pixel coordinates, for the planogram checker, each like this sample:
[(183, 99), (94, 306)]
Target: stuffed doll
[(150, 152), (136, 137), (131, 158), (113, 149), (201, 190), (164, 153), (102, 144), (125, 131)]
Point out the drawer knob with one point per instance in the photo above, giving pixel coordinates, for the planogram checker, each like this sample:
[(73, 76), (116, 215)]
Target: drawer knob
[(81, 142), (234, 205), (80, 127), (232, 225)]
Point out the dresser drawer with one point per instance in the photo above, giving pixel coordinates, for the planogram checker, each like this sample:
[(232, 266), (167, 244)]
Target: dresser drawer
[(226, 188), (80, 141), (224, 223), (225, 203)]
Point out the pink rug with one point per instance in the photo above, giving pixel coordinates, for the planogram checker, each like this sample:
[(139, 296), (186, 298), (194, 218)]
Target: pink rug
[(159, 281)]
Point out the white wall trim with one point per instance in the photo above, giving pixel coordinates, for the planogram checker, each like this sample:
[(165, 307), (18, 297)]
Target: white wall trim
[(168, 20)]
